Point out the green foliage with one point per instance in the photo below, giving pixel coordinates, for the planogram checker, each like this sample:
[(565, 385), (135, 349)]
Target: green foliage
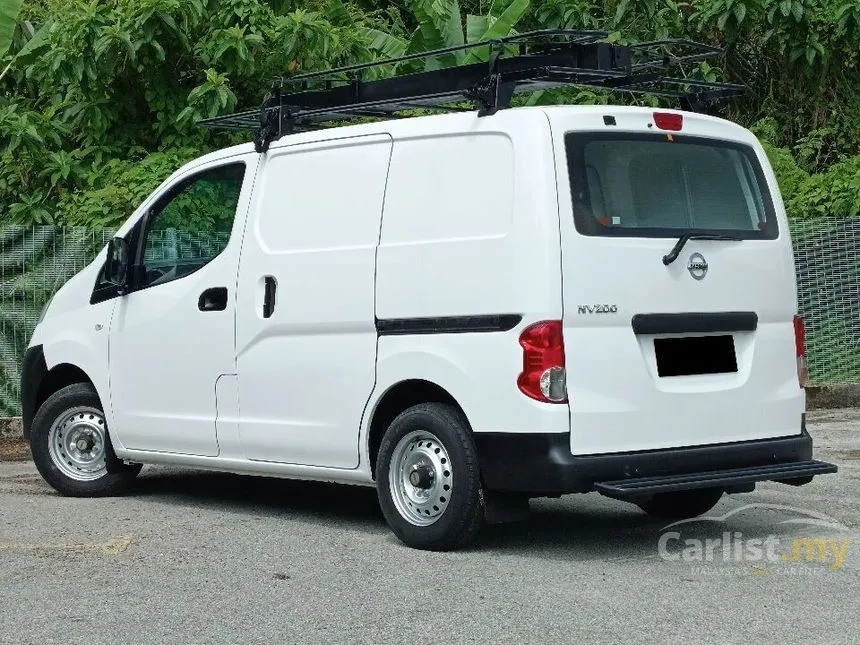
[(99, 100), (799, 59), (500, 21), (8, 19), (118, 186), (836, 190), (439, 25), (211, 98)]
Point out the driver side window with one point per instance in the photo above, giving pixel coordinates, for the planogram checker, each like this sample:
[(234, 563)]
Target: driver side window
[(191, 225)]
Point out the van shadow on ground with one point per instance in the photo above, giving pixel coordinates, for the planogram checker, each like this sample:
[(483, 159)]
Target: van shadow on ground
[(588, 527)]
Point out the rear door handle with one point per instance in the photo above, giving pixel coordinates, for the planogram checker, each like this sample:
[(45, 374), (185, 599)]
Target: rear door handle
[(269, 296), (214, 299)]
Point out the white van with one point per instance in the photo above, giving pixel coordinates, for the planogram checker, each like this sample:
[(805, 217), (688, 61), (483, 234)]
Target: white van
[(463, 310)]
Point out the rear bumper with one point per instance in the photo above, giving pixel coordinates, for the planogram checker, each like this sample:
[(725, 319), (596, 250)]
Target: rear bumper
[(541, 464)]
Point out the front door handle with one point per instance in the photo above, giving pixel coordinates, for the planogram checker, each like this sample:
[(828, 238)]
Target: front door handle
[(269, 296), (214, 299)]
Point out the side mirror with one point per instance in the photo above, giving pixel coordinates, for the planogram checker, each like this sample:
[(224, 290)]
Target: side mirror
[(117, 264)]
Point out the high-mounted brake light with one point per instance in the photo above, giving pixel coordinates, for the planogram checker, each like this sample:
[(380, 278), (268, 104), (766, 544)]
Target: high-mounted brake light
[(668, 121), (800, 347), (543, 377)]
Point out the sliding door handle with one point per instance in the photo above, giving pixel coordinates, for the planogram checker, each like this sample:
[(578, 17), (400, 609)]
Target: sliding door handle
[(269, 296), (214, 299)]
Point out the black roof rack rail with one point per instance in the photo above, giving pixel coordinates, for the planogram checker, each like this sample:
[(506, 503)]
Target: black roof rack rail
[(536, 60)]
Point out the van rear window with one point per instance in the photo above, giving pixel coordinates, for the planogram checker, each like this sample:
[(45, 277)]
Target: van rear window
[(656, 185)]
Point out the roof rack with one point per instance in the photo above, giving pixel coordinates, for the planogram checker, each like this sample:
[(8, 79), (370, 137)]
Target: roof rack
[(536, 60)]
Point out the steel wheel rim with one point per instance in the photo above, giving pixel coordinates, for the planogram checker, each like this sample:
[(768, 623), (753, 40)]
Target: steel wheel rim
[(76, 443), (420, 478)]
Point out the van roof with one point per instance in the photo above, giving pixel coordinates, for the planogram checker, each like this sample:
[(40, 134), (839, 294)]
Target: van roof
[(436, 124)]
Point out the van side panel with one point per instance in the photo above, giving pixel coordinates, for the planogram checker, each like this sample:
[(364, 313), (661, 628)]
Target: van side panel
[(448, 213), (307, 370), (470, 236)]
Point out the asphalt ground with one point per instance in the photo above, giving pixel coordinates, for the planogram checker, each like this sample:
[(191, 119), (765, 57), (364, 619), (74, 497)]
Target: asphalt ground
[(197, 557)]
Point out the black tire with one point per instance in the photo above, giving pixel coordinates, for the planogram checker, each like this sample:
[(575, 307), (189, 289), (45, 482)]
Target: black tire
[(463, 516), (118, 475), (682, 504)]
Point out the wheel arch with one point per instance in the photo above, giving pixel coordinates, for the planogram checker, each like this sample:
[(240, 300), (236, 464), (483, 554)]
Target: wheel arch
[(59, 377), (396, 399), (38, 383)]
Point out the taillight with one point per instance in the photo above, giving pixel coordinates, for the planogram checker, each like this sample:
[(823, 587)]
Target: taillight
[(800, 347), (668, 121), (543, 376)]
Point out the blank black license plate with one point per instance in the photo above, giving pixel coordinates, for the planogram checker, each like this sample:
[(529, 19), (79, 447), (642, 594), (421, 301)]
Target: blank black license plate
[(695, 355)]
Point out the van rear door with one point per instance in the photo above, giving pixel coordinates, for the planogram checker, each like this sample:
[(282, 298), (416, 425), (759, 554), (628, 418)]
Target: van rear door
[(675, 349)]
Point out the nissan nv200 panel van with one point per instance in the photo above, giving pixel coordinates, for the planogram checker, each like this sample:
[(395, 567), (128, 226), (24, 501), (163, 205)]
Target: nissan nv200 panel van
[(463, 311)]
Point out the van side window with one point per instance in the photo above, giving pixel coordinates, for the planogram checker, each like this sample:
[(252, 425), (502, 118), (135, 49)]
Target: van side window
[(191, 225)]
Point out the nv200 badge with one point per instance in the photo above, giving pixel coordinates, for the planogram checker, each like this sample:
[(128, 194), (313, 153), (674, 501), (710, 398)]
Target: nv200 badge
[(597, 309)]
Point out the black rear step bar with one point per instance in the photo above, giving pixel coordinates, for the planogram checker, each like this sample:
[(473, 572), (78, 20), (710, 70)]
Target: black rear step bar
[(796, 473)]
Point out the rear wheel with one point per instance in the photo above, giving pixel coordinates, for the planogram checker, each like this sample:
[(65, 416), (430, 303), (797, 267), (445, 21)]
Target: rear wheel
[(428, 480), (682, 504), (71, 446)]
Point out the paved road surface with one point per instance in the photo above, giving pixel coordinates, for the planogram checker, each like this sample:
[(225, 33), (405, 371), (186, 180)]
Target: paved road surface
[(208, 558)]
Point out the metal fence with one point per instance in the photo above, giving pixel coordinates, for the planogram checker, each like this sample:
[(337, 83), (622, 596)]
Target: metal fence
[(827, 263), (36, 261)]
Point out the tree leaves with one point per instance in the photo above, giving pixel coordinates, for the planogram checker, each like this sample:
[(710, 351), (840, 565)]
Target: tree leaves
[(476, 27), (439, 26), (99, 83), (210, 99), (34, 46), (385, 44), (502, 24), (9, 10), (498, 23)]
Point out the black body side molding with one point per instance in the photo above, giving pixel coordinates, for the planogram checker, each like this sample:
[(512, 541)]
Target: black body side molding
[(447, 324), (727, 321), (33, 372)]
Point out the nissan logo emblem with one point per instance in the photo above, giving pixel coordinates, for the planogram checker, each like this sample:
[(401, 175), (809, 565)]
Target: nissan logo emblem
[(697, 266)]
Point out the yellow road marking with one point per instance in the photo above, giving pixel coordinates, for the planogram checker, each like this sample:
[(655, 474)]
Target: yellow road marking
[(113, 546)]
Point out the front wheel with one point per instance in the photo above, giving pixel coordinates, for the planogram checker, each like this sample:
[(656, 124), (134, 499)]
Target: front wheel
[(682, 504), (71, 447), (428, 481)]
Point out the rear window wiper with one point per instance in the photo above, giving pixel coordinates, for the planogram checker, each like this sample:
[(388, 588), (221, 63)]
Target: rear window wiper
[(679, 245)]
